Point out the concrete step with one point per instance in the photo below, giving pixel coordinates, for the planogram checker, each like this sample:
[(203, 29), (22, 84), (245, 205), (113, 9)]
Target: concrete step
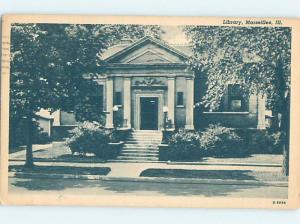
[(139, 159), (130, 154), (125, 156), (140, 150), (146, 131), (134, 161), (144, 134), (142, 142), (140, 145), (144, 138)]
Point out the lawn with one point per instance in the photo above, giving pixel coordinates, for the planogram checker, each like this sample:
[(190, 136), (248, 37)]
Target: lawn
[(215, 174), (55, 152), (274, 159), (61, 170)]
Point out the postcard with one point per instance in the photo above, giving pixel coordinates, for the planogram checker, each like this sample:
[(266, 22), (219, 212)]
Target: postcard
[(149, 111)]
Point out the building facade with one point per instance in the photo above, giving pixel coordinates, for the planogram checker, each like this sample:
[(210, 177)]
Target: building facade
[(140, 81)]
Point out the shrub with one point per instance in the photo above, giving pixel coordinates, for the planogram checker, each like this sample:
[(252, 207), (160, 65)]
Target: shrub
[(265, 142), (19, 130), (185, 145), (41, 137), (221, 142), (89, 137)]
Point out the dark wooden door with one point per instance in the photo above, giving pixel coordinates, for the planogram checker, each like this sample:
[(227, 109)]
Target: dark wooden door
[(149, 113)]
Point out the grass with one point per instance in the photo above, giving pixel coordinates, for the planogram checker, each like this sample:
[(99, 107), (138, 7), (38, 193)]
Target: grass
[(214, 174), (61, 170)]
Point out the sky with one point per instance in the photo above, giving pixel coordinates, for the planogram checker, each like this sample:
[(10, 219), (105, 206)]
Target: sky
[(174, 35)]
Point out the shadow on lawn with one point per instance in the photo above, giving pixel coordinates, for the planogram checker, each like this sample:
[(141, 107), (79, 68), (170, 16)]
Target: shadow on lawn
[(200, 174), (178, 189), (126, 187), (71, 158), (60, 170), (148, 188), (67, 158), (143, 188), (57, 182)]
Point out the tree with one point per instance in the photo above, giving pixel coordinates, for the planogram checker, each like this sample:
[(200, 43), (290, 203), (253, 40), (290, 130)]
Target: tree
[(48, 63), (256, 58)]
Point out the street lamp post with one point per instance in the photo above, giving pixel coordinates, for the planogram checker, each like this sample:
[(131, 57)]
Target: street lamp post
[(115, 111), (164, 138)]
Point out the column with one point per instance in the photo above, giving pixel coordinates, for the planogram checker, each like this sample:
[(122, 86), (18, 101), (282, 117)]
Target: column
[(127, 101), (171, 99), (109, 102), (189, 122), (261, 107)]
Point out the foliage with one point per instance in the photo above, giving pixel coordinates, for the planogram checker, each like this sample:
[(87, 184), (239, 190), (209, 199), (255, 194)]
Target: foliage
[(18, 136), (215, 141), (48, 68), (41, 137), (185, 144), (256, 58), (221, 142), (89, 138), (265, 142), (49, 61)]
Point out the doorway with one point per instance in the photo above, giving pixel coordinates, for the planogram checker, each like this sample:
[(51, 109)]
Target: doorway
[(149, 113)]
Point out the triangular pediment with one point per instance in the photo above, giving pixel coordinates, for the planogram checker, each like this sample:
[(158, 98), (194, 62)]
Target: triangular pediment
[(148, 51), (148, 56)]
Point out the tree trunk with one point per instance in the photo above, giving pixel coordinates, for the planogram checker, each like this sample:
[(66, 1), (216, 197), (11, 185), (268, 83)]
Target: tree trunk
[(29, 155), (285, 163), (285, 127)]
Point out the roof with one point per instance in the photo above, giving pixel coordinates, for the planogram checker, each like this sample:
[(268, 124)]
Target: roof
[(112, 50), (184, 50), (44, 114)]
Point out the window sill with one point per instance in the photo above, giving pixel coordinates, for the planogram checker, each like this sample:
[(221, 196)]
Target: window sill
[(180, 106)]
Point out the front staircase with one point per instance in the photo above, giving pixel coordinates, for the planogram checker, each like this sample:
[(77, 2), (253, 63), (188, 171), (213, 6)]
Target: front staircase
[(141, 146)]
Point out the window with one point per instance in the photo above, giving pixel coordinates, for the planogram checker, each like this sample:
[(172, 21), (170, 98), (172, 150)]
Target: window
[(118, 98), (236, 100), (96, 99), (179, 99)]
